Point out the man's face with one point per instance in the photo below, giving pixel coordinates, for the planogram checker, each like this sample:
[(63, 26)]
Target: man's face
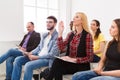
[(30, 27), (50, 24)]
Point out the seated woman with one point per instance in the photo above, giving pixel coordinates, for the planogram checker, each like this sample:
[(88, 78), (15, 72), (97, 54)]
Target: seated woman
[(79, 49), (109, 65), (98, 40)]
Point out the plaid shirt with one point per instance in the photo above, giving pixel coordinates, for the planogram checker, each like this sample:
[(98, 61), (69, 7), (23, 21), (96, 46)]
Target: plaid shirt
[(74, 46)]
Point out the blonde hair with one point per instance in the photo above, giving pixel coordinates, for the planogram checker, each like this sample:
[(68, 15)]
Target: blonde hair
[(84, 21)]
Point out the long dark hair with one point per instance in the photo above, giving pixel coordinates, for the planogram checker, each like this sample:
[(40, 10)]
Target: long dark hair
[(117, 21), (98, 30)]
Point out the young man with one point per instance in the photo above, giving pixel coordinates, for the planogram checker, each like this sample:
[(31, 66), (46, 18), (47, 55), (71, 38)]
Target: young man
[(29, 42), (42, 56)]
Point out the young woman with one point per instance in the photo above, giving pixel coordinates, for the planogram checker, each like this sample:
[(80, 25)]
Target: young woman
[(109, 65), (79, 49), (98, 40)]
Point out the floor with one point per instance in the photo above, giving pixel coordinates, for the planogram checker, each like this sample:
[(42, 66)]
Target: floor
[(2, 77), (66, 77)]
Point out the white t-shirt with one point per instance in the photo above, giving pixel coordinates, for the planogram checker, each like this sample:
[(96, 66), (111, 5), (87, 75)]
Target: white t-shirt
[(44, 50)]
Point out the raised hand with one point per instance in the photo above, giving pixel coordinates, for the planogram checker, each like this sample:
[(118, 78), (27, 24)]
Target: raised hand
[(60, 28)]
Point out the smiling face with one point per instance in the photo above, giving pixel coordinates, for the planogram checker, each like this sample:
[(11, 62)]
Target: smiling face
[(50, 24), (114, 30), (93, 26), (30, 27)]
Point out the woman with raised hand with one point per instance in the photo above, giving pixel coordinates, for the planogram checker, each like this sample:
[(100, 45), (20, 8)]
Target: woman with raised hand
[(79, 49)]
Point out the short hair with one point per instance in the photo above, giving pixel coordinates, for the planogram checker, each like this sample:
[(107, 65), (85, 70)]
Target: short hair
[(52, 17), (31, 23)]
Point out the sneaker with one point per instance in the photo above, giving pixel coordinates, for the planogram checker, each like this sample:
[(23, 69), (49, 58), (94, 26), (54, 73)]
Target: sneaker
[(35, 76)]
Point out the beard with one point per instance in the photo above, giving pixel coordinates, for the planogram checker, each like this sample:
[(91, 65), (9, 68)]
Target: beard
[(50, 28)]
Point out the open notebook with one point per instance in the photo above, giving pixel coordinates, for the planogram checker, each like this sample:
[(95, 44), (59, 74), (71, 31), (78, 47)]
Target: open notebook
[(62, 59)]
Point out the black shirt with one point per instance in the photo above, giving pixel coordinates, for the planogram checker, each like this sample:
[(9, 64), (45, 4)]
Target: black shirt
[(113, 57)]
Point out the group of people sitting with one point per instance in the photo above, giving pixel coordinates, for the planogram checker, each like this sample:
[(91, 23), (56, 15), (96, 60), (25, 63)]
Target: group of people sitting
[(81, 47)]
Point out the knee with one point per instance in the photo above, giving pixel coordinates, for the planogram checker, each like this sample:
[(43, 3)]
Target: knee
[(10, 60), (17, 60), (28, 66), (75, 76), (78, 76), (83, 75), (96, 78), (57, 63), (11, 50), (101, 78)]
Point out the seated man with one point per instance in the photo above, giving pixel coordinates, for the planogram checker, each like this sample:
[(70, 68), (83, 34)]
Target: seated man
[(41, 56), (29, 42)]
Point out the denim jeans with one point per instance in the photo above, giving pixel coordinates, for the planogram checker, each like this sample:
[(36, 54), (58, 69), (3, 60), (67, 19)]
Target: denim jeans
[(9, 67), (28, 68), (91, 75), (105, 78), (9, 56)]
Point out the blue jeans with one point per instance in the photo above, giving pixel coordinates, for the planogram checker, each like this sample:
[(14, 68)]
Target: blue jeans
[(28, 68), (91, 75), (9, 56)]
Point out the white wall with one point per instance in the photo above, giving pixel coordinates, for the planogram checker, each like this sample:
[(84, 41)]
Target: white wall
[(65, 14), (103, 10), (11, 20), (11, 15)]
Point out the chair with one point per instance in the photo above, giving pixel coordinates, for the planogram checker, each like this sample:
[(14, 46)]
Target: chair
[(38, 71)]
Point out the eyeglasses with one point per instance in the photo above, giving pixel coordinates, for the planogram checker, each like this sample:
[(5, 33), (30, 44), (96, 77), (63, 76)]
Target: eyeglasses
[(49, 21)]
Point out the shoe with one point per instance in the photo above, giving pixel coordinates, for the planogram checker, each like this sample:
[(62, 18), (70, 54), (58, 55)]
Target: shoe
[(35, 76)]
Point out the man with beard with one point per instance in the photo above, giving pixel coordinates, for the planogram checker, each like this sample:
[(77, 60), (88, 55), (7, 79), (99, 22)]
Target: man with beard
[(41, 56)]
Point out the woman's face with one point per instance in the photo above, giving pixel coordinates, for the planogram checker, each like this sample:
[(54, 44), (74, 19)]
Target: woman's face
[(114, 30), (93, 26), (77, 20)]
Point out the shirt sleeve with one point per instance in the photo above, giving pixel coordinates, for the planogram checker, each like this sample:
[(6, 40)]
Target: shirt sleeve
[(101, 37), (62, 44), (89, 51)]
